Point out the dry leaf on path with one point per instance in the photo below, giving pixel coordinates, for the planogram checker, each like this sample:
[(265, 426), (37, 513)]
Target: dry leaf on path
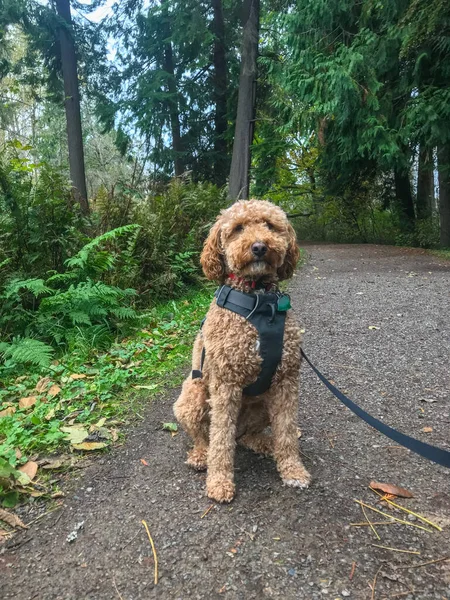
[(427, 429), (42, 384), (144, 462), (30, 469), (389, 488), (54, 390), (75, 433), (8, 412), (11, 519), (78, 376), (90, 445), (27, 402)]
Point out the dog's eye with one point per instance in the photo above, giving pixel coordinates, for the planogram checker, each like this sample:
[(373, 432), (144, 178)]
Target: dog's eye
[(238, 228), (270, 226)]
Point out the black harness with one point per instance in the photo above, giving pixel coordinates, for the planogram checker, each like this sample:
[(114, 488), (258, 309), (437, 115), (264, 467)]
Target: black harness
[(267, 313)]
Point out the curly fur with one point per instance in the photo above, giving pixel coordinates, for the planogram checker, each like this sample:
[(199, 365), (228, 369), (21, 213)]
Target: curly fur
[(213, 410)]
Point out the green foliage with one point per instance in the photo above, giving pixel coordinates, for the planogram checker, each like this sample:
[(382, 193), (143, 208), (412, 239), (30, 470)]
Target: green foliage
[(98, 385)]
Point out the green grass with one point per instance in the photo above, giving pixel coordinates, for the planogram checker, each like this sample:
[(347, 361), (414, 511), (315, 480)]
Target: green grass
[(442, 253), (98, 391)]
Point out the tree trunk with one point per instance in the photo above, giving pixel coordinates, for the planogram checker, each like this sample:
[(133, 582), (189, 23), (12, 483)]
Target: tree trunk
[(425, 185), (404, 198), (444, 194), (220, 95), (239, 182), (172, 103), (72, 106)]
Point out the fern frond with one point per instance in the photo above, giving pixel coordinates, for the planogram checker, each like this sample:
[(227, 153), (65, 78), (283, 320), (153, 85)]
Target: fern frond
[(28, 351)]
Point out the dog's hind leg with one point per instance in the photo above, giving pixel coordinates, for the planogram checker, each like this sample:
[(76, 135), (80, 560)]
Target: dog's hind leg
[(191, 411)]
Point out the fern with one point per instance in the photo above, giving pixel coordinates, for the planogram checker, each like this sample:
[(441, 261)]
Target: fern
[(27, 351)]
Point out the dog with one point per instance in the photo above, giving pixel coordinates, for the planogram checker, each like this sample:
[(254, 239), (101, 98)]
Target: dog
[(249, 250)]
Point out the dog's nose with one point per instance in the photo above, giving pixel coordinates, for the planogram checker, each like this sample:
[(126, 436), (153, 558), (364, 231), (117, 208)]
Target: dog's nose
[(259, 249)]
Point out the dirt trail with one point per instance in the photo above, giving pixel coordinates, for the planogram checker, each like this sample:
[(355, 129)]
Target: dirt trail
[(272, 541)]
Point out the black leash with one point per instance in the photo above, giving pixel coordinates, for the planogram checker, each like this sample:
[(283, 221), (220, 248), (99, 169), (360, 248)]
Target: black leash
[(437, 455)]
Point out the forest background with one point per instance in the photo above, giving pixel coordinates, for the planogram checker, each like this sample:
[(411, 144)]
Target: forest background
[(126, 126)]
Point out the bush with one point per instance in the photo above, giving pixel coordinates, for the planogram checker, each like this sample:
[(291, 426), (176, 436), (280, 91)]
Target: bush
[(66, 310)]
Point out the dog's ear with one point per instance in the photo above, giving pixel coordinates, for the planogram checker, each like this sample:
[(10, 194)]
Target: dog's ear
[(292, 255), (211, 258)]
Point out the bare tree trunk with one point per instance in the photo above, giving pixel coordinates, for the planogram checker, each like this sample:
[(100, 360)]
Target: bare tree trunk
[(425, 187), (72, 106), (172, 103), (404, 198), (239, 182), (444, 194), (220, 95)]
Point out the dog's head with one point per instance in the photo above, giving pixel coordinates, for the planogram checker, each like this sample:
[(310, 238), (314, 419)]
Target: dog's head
[(252, 239)]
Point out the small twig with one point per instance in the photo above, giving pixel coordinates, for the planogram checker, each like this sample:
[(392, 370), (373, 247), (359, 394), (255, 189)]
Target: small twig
[(407, 510), (207, 511), (153, 550), (396, 549), (371, 525), (43, 515), (330, 441), (374, 584), (424, 564), (117, 590), (365, 524), (391, 517), (352, 572), (131, 540)]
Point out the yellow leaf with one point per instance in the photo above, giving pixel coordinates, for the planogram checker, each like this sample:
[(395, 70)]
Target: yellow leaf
[(27, 402), (30, 469), (90, 445), (373, 327), (54, 390), (75, 434), (78, 376), (101, 422)]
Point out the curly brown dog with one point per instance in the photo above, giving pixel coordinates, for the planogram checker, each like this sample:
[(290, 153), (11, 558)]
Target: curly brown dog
[(250, 248)]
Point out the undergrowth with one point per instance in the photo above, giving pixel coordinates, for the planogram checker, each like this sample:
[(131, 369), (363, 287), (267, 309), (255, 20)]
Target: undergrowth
[(96, 391)]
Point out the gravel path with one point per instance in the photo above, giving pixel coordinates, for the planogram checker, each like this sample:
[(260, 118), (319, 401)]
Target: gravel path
[(275, 542)]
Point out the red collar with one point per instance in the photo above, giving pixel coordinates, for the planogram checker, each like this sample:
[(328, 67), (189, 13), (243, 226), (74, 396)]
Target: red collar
[(251, 282)]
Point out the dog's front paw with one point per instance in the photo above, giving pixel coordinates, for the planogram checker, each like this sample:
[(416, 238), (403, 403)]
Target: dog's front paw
[(197, 458), (298, 477), (220, 489)]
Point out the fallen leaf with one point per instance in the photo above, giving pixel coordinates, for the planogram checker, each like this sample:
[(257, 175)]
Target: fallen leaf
[(152, 386), (27, 402), (90, 445), (389, 488), (75, 433), (101, 422), (54, 390), (42, 384), (11, 519), (299, 433), (56, 462), (18, 453), (78, 376), (373, 327), (30, 469), (170, 426), (8, 412), (144, 462), (427, 429)]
